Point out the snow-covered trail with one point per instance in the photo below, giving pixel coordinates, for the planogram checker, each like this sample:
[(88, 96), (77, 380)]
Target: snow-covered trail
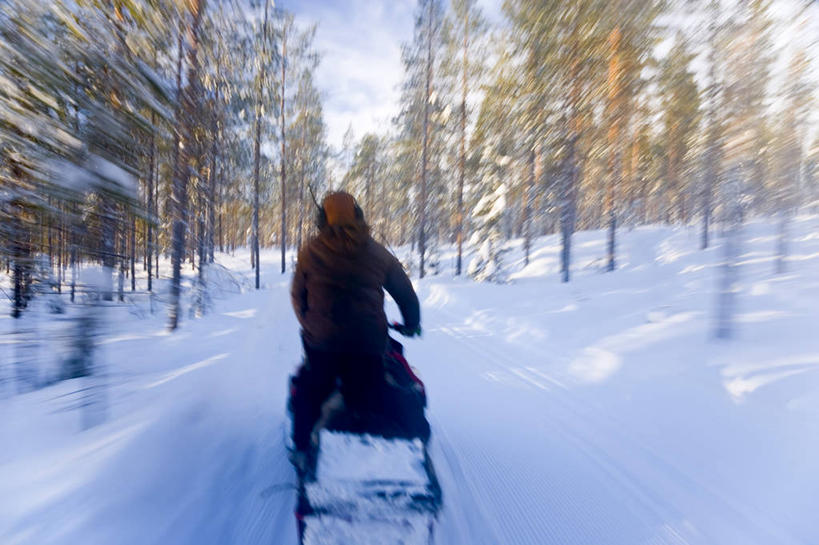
[(595, 412), (541, 464), (240, 487), (194, 453), (602, 412)]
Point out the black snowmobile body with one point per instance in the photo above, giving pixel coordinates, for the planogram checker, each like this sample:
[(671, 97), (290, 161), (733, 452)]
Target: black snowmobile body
[(376, 499)]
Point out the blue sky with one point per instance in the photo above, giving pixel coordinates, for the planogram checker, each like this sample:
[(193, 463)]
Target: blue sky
[(361, 71)]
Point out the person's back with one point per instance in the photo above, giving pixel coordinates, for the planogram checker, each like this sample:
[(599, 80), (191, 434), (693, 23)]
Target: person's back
[(337, 294), (338, 285)]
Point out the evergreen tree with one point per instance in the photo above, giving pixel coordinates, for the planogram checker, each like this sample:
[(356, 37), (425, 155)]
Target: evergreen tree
[(365, 177), (308, 149), (492, 148), (185, 158), (562, 41), (713, 127), (261, 84), (681, 114), (422, 114), (465, 65), (798, 95), (628, 48)]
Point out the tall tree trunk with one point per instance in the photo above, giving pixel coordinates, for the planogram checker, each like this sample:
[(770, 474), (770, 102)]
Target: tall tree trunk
[(422, 205), (782, 242), (122, 256), (179, 194), (201, 286), (614, 120), (221, 205), (728, 279), (459, 214), (185, 121), (571, 171), (712, 141), (133, 252), (21, 253), (301, 204), (108, 232), (50, 233), (710, 175), (611, 196), (283, 240), (257, 150), (526, 209), (156, 247), (211, 223), (60, 248), (788, 196), (567, 208), (151, 211), (72, 257)]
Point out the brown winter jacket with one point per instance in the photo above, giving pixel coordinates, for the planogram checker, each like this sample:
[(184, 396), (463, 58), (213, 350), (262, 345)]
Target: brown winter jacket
[(338, 295)]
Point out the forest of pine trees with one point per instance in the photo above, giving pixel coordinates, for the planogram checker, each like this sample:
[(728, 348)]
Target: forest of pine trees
[(131, 130), (134, 130)]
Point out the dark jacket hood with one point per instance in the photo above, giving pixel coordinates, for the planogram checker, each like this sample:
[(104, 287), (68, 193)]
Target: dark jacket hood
[(344, 239)]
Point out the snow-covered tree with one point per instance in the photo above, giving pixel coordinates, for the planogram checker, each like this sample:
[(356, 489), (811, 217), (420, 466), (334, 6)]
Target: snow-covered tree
[(487, 264)]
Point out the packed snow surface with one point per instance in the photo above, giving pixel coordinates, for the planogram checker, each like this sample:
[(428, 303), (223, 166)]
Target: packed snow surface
[(365, 475), (378, 459), (602, 411), (414, 530)]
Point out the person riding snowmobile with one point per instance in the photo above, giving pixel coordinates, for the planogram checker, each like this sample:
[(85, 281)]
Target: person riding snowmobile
[(338, 297)]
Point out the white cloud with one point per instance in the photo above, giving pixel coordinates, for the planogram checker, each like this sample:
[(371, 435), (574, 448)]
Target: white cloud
[(360, 71)]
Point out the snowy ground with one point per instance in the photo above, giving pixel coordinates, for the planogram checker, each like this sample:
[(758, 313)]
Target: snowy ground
[(602, 411)]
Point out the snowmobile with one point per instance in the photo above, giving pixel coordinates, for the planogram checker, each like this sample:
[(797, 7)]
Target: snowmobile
[(372, 480)]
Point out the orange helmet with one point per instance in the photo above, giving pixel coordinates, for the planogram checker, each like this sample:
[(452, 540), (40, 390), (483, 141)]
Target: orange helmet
[(340, 208)]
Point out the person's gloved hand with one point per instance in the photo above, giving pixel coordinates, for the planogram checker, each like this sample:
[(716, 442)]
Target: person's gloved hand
[(407, 331)]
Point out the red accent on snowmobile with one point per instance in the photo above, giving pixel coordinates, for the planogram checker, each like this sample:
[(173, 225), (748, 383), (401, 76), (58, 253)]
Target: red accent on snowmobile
[(403, 361)]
